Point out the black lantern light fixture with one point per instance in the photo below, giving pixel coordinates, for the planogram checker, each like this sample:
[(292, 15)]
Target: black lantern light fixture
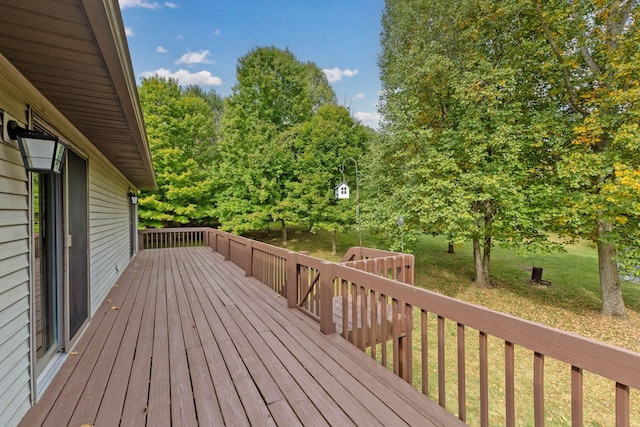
[(133, 197), (41, 152)]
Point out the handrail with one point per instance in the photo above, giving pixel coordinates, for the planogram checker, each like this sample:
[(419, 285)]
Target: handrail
[(372, 309), (357, 253), (158, 238)]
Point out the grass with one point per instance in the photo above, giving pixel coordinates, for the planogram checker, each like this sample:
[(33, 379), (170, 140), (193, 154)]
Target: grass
[(571, 303)]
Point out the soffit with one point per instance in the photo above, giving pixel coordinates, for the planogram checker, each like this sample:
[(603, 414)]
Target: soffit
[(75, 53)]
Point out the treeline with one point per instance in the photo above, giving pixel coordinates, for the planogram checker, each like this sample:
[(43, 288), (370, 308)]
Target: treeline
[(502, 123), (507, 121)]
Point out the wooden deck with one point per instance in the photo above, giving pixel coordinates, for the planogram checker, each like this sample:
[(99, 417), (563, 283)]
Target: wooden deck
[(185, 339)]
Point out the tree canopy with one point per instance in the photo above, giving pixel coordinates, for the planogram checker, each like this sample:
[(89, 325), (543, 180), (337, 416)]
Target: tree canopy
[(459, 136), (593, 68), (181, 130), (275, 143), (506, 120)]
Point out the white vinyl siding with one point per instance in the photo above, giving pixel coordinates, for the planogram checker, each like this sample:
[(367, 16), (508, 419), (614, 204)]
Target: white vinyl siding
[(15, 382), (108, 229)]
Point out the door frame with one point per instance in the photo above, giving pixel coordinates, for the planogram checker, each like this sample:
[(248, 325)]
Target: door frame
[(68, 242), (42, 372)]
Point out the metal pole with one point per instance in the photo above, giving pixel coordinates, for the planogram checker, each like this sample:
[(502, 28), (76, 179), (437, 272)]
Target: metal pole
[(357, 196)]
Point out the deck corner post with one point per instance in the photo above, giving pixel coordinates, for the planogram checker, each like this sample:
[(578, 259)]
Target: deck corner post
[(412, 270), (140, 240), (327, 278), (214, 243), (248, 268), (291, 287)]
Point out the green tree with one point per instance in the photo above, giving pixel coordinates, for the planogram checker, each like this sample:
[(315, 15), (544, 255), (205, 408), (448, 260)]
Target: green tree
[(320, 146), (212, 98), (181, 131), (274, 93), (463, 122), (593, 69)]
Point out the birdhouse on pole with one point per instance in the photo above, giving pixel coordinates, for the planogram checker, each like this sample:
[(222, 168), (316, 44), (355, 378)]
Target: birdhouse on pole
[(342, 191)]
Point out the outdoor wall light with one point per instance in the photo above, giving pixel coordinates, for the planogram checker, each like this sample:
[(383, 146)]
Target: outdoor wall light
[(133, 197), (41, 152)]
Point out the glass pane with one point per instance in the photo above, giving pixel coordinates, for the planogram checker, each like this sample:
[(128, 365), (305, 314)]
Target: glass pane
[(45, 297)]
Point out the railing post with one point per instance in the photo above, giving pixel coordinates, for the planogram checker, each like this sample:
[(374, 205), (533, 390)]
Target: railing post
[(140, 240), (326, 284), (411, 270), (291, 287), (248, 268)]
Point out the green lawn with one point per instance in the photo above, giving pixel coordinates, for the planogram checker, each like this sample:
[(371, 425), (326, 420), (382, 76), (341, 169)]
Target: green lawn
[(571, 302)]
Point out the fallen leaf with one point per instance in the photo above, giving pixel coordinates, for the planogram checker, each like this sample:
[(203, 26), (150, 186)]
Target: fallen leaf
[(114, 307), (73, 353), (109, 300)]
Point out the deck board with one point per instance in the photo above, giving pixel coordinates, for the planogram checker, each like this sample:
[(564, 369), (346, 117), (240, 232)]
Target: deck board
[(194, 342)]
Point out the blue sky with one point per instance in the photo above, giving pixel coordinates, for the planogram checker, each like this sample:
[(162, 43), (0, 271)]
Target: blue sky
[(200, 41)]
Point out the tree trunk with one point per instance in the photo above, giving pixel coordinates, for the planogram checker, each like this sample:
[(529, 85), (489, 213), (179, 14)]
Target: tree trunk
[(612, 301), (486, 258), (334, 245), (481, 263), (284, 231), (451, 249), (482, 256)]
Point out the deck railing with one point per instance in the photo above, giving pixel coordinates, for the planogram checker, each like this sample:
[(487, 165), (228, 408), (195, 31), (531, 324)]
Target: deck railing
[(413, 331), (159, 238), (382, 263)]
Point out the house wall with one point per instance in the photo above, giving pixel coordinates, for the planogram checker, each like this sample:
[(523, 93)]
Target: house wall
[(15, 357), (109, 240), (109, 226)]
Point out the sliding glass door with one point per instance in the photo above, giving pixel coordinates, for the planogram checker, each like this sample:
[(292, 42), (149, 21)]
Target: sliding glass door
[(47, 221)]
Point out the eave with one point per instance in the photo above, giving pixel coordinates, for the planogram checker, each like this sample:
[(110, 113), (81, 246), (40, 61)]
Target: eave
[(75, 53)]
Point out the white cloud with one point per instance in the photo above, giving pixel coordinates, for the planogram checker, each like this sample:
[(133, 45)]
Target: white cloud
[(191, 58), (146, 4), (336, 74), (186, 77), (129, 31), (161, 49), (369, 119), (358, 96), (216, 32)]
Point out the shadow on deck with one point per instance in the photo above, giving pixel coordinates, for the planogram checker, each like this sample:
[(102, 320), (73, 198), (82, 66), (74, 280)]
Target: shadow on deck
[(184, 338)]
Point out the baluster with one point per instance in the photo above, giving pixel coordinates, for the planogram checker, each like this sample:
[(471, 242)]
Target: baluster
[(424, 335), (577, 413), (484, 380), (538, 389), (462, 378), (441, 364), (408, 343), (364, 330), (385, 327), (373, 337), (510, 389), (622, 405), (395, 325)]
